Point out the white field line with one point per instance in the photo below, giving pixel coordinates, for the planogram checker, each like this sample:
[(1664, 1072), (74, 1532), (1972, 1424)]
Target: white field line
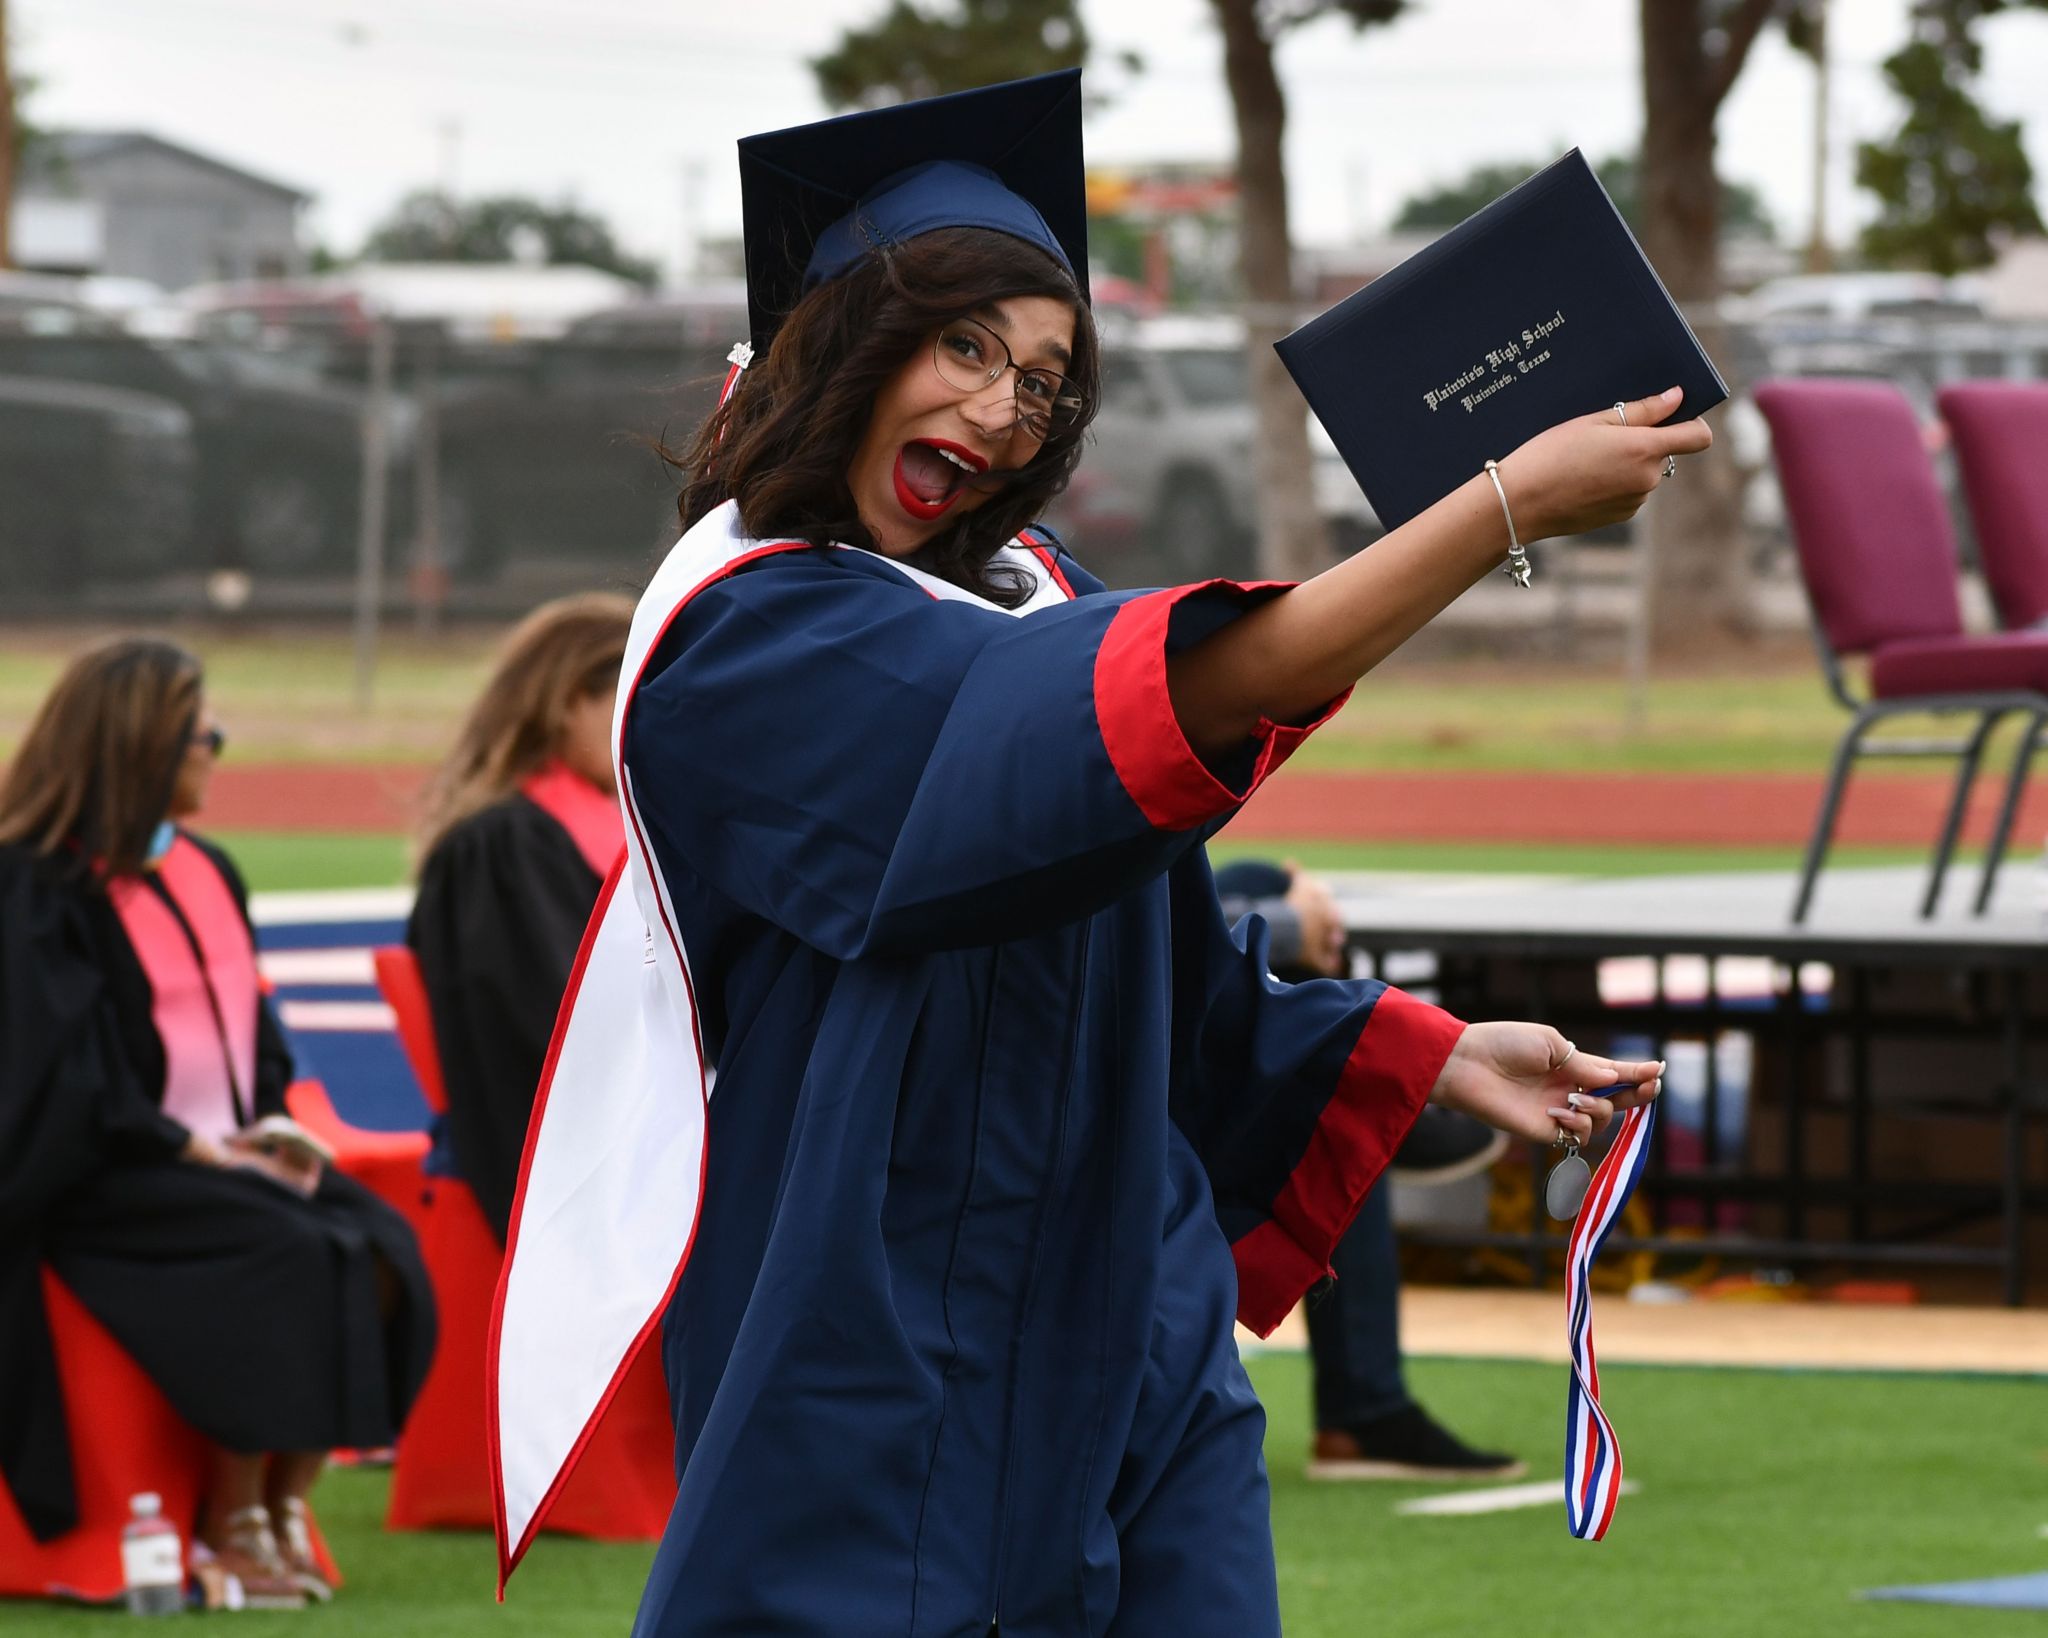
[(318, 966), (361, 1017), (335, 904), (1504, 1498)]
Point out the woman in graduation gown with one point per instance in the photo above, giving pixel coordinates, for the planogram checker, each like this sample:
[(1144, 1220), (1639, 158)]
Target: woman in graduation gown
[(282, 1309), (521, 827), (1000, 1125)]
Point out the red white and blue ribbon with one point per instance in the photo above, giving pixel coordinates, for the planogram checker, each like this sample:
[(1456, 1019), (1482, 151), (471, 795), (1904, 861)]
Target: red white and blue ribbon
[(1592, 1454)]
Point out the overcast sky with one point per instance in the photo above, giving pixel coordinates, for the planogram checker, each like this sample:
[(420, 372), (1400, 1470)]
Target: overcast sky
[(631, 107)]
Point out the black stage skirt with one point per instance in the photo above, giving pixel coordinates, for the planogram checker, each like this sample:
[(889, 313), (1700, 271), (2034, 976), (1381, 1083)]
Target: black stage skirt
[(270, 1321)]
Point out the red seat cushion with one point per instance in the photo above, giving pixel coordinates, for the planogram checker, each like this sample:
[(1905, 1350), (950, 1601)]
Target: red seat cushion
[(2004, 663)]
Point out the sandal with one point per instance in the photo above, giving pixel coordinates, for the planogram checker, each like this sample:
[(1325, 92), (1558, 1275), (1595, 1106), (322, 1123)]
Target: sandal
[(249, 1556), (293, 1519)]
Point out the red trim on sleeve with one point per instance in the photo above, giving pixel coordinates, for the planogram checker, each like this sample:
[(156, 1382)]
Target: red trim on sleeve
[(1382, 1088), (1272, 1274), (1171, 785)]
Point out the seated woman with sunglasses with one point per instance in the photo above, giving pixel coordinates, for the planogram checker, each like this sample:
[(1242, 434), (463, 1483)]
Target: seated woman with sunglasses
[(144, 1150), (917, 987)]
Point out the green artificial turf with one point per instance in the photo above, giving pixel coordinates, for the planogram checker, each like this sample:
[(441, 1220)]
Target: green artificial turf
[(1558, 858), (289, 695), (275, 860), (1768, 1501)]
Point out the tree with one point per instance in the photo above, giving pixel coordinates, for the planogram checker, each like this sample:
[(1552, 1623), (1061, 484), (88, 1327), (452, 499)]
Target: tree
[(432, 226), (15, 139), (1293, 543), (1742, 207), (911, 52), (1950, 180), (1693, 53)]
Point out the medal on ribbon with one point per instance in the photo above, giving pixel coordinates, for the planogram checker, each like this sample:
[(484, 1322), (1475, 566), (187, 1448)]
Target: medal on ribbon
[(1592, 1454)]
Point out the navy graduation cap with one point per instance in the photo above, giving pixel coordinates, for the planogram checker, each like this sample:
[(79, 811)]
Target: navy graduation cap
[(815, 197)]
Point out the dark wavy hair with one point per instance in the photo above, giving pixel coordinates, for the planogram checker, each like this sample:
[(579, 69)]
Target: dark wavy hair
[(782, 443)]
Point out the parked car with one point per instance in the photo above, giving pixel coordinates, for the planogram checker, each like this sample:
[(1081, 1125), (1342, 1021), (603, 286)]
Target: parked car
[(548, 461), (276, 460), (1166, 490), (98, 484)]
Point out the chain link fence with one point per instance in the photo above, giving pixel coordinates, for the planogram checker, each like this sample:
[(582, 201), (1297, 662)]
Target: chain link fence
[(321, 462)]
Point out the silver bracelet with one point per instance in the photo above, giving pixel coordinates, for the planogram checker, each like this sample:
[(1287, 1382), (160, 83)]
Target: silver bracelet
[(1517, 566)]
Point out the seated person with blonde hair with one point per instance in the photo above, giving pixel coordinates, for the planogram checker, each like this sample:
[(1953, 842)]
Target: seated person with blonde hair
[(522, 824)]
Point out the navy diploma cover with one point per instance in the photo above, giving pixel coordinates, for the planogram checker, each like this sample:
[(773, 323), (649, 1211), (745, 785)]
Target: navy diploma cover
[(1536, 309)]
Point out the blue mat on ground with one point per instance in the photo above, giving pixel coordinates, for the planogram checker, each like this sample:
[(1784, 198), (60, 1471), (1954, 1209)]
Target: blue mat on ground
[(2007, 1592), (364, 1069)]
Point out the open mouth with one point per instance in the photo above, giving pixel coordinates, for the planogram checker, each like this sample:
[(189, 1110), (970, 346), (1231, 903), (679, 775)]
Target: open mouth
[(930, 476)]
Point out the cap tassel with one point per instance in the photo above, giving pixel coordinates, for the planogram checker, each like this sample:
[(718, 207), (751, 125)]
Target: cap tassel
[(739, 358)]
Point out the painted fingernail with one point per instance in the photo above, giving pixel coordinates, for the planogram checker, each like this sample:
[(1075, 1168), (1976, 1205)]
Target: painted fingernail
[(1577, 1100), (1670, 392), (1559, 1114)]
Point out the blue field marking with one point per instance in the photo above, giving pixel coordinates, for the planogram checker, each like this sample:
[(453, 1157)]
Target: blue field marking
[(2012, 1592), (340, 1032)]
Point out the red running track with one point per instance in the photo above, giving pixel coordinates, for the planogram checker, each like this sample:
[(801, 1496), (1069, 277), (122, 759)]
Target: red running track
[(1747, 810)]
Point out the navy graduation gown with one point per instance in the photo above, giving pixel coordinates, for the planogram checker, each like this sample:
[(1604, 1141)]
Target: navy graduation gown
[(1007, 1124)]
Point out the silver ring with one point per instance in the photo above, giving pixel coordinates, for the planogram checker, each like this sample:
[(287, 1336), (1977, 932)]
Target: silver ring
[(1570, 1050), (1562, 1140), (1621, 409), (1670, 466)]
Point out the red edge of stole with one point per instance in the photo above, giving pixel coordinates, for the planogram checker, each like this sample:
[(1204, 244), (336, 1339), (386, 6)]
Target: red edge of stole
[(1050, 558), (1159, 770), (1384, 1082), (510, 1555)]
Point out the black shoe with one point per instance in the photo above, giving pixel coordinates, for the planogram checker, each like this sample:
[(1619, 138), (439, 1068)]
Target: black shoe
[(1405, 1445), (1443, 1146)]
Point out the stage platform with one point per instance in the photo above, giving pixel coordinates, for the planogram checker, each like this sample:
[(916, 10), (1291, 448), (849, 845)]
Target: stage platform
[(1891, 1103)]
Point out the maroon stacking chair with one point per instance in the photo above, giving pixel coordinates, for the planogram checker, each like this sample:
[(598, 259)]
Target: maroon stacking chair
[(1878, 557), (2000, 430), (2001, 440)]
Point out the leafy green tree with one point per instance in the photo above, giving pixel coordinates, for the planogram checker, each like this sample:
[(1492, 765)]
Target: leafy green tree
[(431, 226), (1693, 53), (1742, 207), (914, 51), (1293, 542), (1951, 179)]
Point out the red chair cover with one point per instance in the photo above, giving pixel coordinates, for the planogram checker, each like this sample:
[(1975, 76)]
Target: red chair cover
[(391, 1165), (125, 1438), (405, 992), (624, 1484)]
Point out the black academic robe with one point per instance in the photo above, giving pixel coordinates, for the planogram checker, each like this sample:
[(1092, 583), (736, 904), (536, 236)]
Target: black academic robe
[(503, 901), (270, 1321)]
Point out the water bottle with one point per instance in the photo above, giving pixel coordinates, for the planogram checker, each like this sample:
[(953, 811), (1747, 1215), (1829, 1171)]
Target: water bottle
[(152, 1559)]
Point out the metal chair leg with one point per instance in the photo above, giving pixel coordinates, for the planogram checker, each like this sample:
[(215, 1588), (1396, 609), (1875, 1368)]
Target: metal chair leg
[(1830, 805), (2008, 810), (1966, 776)]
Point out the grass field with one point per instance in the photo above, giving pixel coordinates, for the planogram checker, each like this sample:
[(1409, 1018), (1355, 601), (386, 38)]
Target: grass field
[(1769, 1500), (289, 697), (276, 861)]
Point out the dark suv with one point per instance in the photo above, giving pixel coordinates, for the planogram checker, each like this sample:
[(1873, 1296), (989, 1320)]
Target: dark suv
[(270, 471)]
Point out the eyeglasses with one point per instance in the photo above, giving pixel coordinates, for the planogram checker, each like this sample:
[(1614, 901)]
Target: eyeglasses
[(970, 356), (214, 739)]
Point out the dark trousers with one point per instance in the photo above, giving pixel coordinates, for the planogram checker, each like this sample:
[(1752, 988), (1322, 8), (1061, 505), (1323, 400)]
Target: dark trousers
[(1354, 1328)]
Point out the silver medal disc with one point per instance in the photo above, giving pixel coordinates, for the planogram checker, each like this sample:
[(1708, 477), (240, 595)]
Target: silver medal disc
[(1566, 1190)]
